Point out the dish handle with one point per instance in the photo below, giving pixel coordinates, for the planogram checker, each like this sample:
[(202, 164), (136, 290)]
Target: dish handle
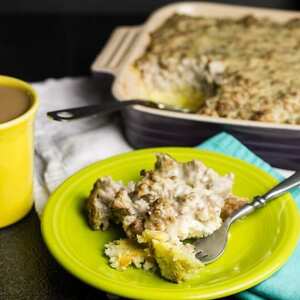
[(112, 56)]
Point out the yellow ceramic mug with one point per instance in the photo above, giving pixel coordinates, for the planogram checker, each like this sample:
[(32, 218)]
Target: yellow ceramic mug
[(16, 159)]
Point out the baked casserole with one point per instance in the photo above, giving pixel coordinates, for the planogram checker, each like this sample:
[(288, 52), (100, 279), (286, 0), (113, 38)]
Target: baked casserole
[(168, 205), (239, 68)]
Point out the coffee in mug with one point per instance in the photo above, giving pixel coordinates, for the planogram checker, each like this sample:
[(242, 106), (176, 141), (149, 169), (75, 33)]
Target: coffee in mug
[(13, 103)]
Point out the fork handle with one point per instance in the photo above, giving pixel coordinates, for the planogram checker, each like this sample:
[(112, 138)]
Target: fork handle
[(283, 187), (259, 201)]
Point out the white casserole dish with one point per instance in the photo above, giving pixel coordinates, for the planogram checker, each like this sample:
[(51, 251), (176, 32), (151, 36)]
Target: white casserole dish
[(145, 127)]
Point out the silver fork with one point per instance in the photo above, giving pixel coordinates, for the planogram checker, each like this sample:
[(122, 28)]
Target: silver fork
[(208, 249)]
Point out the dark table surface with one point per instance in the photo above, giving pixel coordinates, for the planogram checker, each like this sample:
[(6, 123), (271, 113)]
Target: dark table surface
[(28, 271)]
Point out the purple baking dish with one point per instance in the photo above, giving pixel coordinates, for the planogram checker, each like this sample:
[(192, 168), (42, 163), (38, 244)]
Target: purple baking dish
[(279, 144)]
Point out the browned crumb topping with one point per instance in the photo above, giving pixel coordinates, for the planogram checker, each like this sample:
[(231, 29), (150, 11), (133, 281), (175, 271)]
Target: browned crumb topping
[(185, 200), (245, 68), (232, 203)]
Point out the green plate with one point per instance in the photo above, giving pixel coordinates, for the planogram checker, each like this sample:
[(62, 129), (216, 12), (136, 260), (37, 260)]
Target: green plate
[(258, 245)]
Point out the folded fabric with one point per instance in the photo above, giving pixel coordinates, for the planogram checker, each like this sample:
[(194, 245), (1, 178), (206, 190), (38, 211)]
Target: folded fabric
[(285, 283), (62, 148)]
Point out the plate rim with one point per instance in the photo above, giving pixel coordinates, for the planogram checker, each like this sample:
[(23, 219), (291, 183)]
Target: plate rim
[(71, 267)]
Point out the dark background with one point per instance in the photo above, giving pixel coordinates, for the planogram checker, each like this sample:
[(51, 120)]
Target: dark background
[(56, 38)]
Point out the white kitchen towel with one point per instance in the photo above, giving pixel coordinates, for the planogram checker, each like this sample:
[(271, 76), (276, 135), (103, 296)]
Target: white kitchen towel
[(61, 148)]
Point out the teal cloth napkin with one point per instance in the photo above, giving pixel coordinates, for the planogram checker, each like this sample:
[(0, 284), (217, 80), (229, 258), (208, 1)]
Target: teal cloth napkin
[(285, 283)]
